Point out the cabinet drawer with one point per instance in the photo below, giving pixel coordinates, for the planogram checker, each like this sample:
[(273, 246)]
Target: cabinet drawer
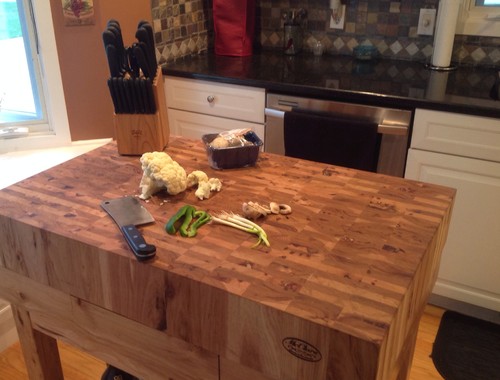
[(224, 100), (194, 125), (457, 134)]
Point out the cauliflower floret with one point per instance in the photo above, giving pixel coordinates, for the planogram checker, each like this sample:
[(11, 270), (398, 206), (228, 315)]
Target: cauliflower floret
[(203, 190), (215, 184), (205, 185), (196, 177), (159, 172)]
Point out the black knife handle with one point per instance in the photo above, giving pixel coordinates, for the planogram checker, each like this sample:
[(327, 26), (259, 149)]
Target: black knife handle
[(142, 250)]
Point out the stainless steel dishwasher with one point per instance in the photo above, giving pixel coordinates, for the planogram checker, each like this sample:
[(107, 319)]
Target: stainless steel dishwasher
[(393, 126)]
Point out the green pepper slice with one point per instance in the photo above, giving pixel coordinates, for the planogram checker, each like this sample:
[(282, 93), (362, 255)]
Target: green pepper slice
[(201, 217), (188, 218), (176, 221)]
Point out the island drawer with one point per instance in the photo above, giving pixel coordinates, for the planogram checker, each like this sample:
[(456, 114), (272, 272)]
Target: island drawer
[(216, 99)]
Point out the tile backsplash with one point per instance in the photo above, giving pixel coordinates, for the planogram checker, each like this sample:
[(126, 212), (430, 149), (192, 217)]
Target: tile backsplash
[(184, 27), (181, 27)]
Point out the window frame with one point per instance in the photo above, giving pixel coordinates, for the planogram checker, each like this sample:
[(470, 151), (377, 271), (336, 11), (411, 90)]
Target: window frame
[(472, 20), (54, 130)]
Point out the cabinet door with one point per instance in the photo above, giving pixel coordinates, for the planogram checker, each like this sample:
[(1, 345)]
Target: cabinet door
[(194, 125), (469, 270)]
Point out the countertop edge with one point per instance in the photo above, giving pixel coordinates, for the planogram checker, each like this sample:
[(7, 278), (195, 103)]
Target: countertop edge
[(368, 98)]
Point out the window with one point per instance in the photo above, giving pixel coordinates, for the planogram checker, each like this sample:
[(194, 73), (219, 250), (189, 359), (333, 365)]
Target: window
[(19, 96), (31, 94), (480, 18), (488, 3)]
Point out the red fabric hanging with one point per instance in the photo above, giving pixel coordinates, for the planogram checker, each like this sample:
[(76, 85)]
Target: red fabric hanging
[(234, 25)]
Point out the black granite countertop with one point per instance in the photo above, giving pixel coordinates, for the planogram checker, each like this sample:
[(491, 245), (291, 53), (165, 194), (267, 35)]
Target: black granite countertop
[(403, 84)]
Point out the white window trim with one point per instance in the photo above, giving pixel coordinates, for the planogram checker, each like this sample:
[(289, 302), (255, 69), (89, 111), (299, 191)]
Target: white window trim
[(59, 132), (478, 21)]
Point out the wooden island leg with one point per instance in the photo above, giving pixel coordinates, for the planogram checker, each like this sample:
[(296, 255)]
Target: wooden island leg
[(40, 351), (406, 358)]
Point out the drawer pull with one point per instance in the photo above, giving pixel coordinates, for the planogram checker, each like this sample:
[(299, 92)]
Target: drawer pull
[(210, 98)]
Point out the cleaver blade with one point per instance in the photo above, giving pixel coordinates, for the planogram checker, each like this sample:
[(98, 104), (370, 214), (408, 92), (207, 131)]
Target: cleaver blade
[(128, 213)]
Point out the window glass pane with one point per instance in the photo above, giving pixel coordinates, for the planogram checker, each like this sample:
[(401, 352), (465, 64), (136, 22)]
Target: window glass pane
[(480, 3), (19, 100)]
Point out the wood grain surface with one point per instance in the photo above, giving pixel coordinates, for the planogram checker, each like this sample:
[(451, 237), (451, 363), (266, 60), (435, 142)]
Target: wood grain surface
[(78, 365), (338, 295)]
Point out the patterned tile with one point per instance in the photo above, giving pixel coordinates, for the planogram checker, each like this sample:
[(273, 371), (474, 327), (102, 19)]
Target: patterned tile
[(396, 47), (478, 54), (495, 56)]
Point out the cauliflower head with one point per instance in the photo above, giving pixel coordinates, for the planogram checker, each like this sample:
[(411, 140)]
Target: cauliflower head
[(161, 172)]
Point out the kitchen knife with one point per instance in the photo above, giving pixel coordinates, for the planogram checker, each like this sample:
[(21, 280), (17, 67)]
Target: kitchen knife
[(144, 95), (113, 96), (133, 96), (153, 64), (128, 95), (128, 213), (120, 94), (144, 35), (139, 95), (118, 97), (150, 96), (132, 61), (114, 27), (113, 61), (141, 56)]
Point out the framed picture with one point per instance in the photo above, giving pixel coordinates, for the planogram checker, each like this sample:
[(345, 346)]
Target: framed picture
[(78, 12)]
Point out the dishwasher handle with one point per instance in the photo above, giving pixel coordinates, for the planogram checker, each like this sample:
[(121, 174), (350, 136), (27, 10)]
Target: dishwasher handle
[(383, 128)]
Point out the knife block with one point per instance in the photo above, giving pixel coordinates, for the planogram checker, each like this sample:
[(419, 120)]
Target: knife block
[(140, 133)]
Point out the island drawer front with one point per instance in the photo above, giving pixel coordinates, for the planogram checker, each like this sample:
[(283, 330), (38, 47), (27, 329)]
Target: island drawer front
[(224, 100), (457, 134)]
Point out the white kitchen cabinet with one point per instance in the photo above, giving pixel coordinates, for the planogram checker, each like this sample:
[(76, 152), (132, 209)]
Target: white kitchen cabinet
[(463, 152), (194, 125), (197, 107)]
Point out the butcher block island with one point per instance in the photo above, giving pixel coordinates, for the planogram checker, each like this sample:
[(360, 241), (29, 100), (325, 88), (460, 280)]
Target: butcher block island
[(338, 295)]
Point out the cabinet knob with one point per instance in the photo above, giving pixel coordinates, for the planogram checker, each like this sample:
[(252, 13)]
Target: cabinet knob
[(210, 98)]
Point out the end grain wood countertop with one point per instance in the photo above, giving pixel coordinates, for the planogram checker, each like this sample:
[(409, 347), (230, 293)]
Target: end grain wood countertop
[(338, 295)]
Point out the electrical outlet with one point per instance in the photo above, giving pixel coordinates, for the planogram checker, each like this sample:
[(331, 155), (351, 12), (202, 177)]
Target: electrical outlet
[(426, 22), (337, 17)]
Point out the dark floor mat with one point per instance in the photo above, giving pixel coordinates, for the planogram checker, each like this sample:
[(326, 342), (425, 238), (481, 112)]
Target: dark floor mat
[(467, 348)]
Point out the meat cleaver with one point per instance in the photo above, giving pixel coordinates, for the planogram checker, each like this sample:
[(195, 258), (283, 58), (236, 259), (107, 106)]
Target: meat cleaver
[(128, 213)]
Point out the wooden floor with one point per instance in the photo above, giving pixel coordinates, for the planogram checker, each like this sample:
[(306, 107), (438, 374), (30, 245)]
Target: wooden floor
[(80, 366)]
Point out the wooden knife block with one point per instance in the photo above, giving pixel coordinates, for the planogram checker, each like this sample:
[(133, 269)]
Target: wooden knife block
[(140, 133)]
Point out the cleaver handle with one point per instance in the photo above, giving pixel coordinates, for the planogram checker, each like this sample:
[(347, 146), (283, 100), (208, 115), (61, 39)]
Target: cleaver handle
[(141, 249)]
